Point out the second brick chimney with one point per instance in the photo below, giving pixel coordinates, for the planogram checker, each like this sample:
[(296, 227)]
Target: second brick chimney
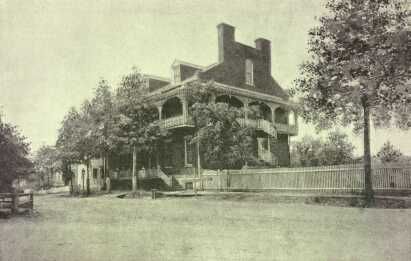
[(264, 46)]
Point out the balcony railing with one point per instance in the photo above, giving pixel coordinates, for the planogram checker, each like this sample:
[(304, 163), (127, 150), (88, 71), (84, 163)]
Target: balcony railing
[(176, 122), (259, 124), (286, 128)]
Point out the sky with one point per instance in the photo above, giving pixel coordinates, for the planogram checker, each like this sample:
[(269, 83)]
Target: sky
[(53, 53)]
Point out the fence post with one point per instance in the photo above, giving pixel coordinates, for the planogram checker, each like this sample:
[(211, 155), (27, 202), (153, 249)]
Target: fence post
[(153, 193), (15, 202), (31, 200), (218, 180), (228, 181)]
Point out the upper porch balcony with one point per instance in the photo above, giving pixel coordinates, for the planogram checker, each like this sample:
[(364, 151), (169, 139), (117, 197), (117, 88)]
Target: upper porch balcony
[(273, 120), (179, 121)]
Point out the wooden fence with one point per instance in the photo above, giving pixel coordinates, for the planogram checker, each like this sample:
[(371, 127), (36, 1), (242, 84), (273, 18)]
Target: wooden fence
[(342, 178), (12, 202)]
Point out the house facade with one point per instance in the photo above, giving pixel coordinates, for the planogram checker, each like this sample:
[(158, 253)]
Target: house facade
[(96, 175), (242, 78)]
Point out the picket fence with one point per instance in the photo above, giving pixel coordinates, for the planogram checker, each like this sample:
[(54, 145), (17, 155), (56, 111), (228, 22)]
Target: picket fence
[(341, 178)]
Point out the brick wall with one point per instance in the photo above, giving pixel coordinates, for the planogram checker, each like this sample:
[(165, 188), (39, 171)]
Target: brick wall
[(231, 67)]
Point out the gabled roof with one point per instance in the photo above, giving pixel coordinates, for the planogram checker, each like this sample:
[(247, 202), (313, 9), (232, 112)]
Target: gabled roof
[(178, 62)]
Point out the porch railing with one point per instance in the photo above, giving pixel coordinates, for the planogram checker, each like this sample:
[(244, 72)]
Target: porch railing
[(177, 121), (259, 124), (155, 173), (286, 128)]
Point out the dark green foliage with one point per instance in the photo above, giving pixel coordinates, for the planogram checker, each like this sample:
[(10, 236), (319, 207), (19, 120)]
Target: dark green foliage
[(14, 150)]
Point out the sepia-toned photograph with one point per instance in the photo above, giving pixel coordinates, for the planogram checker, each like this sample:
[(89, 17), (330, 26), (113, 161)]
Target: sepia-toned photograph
[(205, 130)]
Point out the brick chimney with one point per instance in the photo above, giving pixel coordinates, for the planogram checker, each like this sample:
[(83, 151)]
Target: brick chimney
[(225, 40), (264, 46)]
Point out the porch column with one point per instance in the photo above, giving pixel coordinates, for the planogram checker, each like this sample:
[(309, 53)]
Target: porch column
[(157, 158), (295, 119), (185, 152), (246, 110), (273, 108), (185, 107), (160, 111)]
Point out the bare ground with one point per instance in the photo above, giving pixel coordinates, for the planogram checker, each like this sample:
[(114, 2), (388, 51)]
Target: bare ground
[(108, 228)]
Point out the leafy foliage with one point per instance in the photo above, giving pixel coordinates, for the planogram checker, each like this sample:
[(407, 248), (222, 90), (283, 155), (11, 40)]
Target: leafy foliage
[(103, 119), (335, 150), (46, 162), (138, 117), (224, 143), (307, 152), (360, 56), (388, 153), (360, 66), (14, 150)]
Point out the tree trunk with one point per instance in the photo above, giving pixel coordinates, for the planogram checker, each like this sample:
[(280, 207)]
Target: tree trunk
[(107, 164), (88, 177), (71, 185), (368, 191), (134, 170)]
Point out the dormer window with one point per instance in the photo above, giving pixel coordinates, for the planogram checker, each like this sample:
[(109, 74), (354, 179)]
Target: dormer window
[(249, 72)]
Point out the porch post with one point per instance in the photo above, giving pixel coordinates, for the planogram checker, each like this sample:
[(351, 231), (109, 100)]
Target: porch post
[(246, 110), (295, 119), (157, 157), (160, 111), (185, 152), (185, 107), (273, 108)]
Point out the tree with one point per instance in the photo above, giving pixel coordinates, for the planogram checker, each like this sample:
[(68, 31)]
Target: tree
[(76, 142), (14, 151), (225, 144), (46, 162), (359, 69), (307, 152), (310, 151), (137, 126), (66, 144), (337, 149), (103, 120), (388, 153)]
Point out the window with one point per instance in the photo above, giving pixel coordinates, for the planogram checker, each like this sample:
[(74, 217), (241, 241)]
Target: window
[(189, 152), (249, 72), (95, 173)]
